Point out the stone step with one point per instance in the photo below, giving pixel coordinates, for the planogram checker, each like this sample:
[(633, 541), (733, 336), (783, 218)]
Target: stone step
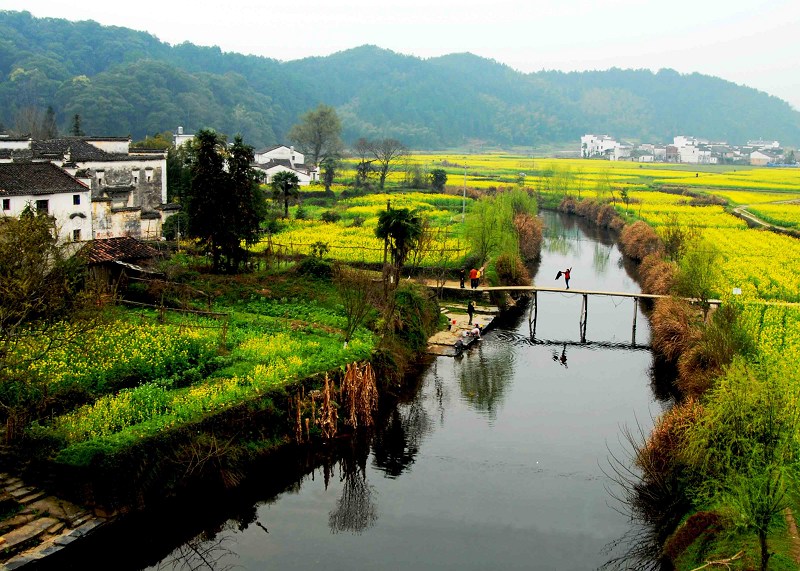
[(61, 509), (32, 497), (19, 538)]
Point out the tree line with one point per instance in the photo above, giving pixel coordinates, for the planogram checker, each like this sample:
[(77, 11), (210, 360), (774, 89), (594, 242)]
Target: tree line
[(129, 83)]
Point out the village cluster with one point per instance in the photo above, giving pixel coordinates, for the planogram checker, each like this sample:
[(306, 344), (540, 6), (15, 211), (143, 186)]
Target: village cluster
[(102, 187), (686, 149)]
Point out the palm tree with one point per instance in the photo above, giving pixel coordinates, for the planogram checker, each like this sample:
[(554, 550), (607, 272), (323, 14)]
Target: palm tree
[(285, 184), (401, 229)]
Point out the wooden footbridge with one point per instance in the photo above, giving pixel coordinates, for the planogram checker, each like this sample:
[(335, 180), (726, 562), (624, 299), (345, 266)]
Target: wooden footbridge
[(533, 309)]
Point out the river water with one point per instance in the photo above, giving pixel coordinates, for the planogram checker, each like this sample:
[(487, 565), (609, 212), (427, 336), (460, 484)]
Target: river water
[(497, 460)]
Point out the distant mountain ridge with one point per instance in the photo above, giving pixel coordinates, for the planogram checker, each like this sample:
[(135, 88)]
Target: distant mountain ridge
[(124, 82)]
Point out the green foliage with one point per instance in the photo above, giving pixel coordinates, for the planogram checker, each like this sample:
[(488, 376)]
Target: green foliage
[(402, 228), (319, 249), (226, 206), (438, 179), (417, 317), (318, 136), (698, 271), (745, 445), (178, 222), (315, 267), (330, 216), (490, 223)]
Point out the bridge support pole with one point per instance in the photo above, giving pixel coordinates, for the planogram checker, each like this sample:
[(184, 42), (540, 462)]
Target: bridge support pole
[(635, 313), (533, 312), (584, 317)]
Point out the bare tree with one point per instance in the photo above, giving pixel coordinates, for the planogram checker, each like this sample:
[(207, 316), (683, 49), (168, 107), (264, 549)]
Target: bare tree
[(362, 150), (357, 293), (387, 152)]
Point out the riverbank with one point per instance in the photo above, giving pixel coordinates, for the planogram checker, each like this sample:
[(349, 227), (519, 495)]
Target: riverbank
[(297, 332)]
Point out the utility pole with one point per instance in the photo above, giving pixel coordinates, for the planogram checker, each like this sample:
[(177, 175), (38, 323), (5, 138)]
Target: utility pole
[(464, 195)]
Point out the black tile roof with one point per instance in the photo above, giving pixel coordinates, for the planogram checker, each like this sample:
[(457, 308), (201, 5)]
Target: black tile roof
[(19, 179), (113, 249), (78, 149)]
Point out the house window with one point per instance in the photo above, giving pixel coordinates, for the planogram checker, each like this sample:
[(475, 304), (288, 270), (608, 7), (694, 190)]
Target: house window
[(42, 206), (76, 199), (135, 179), (6, 204), (76, 235), (148, 175)]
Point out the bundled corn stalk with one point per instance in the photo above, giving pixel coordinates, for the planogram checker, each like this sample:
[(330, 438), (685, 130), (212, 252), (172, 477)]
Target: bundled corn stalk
[(360, 395)]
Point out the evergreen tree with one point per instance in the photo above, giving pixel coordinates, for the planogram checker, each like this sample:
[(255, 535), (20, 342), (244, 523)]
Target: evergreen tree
[(75, 130), (49, 126), (226, 206)]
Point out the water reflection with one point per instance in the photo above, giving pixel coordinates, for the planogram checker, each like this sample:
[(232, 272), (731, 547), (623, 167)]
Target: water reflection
[(202, 553), (484, 376), (602, 255), (355, 509), (563, 358), (396, 445)]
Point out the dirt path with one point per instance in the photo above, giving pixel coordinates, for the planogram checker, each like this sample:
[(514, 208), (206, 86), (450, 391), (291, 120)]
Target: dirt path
[(742, 212), (794, 538)]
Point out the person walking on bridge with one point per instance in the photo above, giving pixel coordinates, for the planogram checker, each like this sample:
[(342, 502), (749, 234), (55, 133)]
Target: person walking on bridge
[(566, 276), (473, 278)]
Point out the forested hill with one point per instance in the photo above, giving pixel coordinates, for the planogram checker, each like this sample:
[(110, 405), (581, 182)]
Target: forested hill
[(123, 82)]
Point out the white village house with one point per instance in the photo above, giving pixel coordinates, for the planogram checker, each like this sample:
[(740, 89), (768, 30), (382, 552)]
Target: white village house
[(280, 158), (128, 187), (45, 188)]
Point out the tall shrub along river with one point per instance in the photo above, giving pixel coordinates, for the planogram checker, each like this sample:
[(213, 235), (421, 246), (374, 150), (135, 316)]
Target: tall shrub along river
[(497, 460)]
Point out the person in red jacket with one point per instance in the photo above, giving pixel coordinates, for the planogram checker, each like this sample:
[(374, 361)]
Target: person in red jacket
[(566, 276), (473, 278)]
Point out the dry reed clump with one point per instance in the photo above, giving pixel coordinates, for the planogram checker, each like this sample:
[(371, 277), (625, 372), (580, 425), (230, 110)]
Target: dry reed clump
[(529, 232), (511, 271), (359, 394), (568, 205), (328, 415), (697, 370), (617, 224), (698, 524), (639, 239), (656, 274), (674, 327), (662, 451), (605, 216), (588, 209)]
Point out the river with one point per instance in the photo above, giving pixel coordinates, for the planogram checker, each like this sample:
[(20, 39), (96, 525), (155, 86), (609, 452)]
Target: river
[(496, 460)]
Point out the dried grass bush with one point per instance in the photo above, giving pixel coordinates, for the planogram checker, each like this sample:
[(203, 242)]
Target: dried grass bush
[(328, 414), (661, 453), (696, 371), (511, 271), (568, 205), (606, 214), (639, 239), (674, 327), (529, 232), (656, 274), (588, 209), (721, 339), (359, 394)]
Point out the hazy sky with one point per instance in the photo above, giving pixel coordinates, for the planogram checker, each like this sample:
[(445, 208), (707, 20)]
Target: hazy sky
[(750, 42)]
